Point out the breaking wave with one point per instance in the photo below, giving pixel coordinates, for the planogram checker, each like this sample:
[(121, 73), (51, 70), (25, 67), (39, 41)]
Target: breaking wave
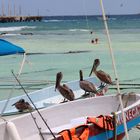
[(15, 28)]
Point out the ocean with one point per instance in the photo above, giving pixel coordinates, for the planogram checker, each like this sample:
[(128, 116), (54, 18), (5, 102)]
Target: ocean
[(65, 44)]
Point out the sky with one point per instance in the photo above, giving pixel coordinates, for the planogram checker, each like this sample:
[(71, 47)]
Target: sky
[(68, 7)]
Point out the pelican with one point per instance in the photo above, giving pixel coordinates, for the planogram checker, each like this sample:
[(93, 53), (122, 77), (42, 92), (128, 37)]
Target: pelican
[(86, 85), (64, 90), (102, 76), (21, 105)]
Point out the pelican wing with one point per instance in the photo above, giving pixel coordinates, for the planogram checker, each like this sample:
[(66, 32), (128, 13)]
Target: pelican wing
[(87, 86), (104, 77), (70, 94), (66, 92)]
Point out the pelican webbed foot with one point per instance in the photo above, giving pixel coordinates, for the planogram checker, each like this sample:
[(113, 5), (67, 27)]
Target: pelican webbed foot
[(86, 94), (64, 100)]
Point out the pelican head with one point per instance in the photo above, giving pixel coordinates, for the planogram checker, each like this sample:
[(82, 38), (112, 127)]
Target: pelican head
[(59, 76), (96, 63), (20, 101)]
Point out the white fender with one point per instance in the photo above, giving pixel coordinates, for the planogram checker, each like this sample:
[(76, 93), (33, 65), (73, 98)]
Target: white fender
[(12, 131)]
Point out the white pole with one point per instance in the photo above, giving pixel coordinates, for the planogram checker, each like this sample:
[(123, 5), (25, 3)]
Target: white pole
[(114, 67), (22, 64)]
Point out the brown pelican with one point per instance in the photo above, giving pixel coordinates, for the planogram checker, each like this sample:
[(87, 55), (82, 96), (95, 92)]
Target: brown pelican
[(21, 105), (65, 91), (86, 85), (103, 77)]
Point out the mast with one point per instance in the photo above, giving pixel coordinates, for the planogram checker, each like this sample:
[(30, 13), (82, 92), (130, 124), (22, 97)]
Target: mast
[(14, 10), (114, 68), (20, 13), (37, 12), (2, 8), (9, 10)]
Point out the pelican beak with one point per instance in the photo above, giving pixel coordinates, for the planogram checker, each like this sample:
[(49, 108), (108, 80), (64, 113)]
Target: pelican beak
[(91, 70), (56, 85), (58, 79), (13, 104)]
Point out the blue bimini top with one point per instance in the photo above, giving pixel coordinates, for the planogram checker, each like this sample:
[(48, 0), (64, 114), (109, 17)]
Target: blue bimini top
[(7, 48)]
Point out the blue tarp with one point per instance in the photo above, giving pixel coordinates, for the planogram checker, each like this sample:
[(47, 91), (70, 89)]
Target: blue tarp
[(7, 48)]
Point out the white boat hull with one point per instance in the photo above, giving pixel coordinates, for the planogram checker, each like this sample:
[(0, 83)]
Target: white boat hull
[(46, 96), (71, 114)]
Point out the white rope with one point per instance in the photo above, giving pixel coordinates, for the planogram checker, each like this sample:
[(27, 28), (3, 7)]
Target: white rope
[(114, 68), (22, 64)]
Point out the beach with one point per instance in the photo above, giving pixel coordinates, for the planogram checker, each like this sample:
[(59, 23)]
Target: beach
[(64, 44)]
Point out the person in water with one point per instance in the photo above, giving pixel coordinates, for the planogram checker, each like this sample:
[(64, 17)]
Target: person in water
[(95, 41), (92, 41)]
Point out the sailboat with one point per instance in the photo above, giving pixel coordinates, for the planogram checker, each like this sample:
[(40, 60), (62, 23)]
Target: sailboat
[(107, 117)]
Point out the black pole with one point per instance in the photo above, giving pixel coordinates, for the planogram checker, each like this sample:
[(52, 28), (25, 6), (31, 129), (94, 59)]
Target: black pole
[(33, 104), (129, 84), (122, 88), (39, 129)]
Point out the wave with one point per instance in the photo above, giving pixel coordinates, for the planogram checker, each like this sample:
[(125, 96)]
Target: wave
[(59, 20), (15, 28), (15, 34), (8, 34), (53, 20), (82, 30)]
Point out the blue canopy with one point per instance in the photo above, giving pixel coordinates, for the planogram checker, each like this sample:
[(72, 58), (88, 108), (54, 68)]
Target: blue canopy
[(7, 48)]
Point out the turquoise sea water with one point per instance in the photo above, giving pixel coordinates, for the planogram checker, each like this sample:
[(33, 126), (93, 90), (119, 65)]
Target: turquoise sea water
[(64, 44)]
